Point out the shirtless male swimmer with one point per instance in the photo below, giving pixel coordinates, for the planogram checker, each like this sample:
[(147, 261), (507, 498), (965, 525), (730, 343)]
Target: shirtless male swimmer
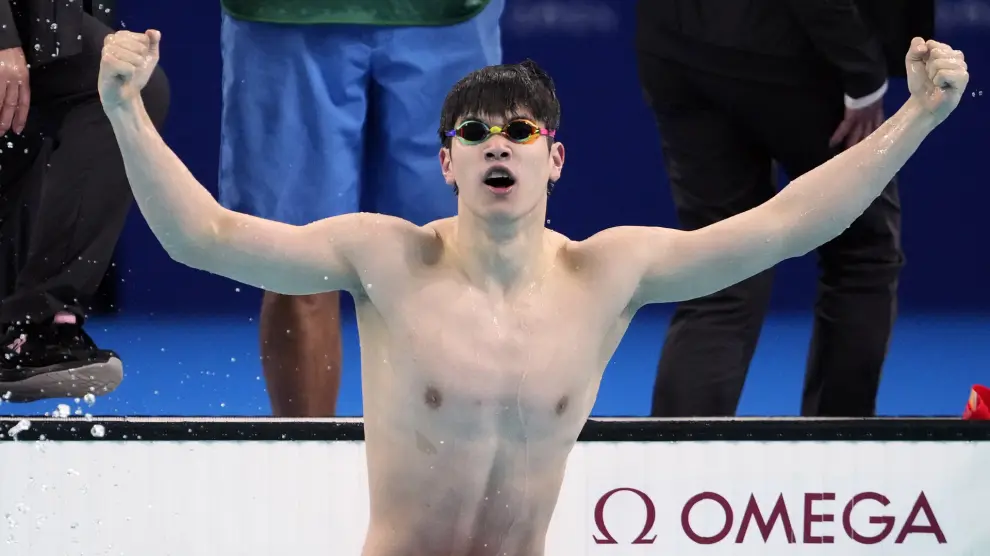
[(485, 336)]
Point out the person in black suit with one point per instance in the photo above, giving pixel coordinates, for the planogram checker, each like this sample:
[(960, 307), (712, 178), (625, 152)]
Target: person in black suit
[(64, 198), (736, 87)]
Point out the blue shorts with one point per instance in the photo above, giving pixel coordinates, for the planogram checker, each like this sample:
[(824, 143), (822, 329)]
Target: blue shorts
[(321, 120)]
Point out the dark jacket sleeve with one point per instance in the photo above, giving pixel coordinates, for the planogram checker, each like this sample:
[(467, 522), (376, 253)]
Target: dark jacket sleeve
[(846, 41), (8, 31), (895, 23)]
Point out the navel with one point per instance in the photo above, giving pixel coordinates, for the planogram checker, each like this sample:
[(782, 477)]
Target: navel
[(432, 397), (562, 405)]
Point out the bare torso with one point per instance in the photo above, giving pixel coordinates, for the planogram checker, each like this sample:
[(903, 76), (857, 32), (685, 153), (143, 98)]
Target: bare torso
[(472, 403)]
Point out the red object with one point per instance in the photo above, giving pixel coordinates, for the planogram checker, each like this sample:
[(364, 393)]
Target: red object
[(978, 408)]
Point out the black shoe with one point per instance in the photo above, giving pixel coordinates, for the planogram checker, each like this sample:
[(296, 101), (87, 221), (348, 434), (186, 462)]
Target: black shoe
[(55, 361)]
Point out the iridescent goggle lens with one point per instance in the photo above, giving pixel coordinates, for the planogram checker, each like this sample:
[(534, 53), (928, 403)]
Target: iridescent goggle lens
[(524, 132)]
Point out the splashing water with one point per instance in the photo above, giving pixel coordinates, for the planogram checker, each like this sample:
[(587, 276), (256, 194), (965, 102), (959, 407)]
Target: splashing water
[(90, 399), (98, 431), (20, 427)]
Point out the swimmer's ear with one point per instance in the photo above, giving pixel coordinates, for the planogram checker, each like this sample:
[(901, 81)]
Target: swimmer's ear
[(556, 160), (448, 174)]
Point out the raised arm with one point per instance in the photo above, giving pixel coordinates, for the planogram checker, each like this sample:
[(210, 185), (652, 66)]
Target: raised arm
[(659, 265), (196, 230)]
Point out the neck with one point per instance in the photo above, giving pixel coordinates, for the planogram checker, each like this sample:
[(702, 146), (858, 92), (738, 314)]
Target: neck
[(501, 253)]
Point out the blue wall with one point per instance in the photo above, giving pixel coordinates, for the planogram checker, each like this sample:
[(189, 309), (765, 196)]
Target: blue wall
[(606, 182)]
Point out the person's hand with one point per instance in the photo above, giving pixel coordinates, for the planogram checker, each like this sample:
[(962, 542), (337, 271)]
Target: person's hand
[(858, 124), (128, 61), (15, 90), (937, 76)]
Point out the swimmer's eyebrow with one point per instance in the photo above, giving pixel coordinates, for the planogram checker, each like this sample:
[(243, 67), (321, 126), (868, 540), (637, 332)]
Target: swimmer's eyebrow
[(469, 118), (508, 118)]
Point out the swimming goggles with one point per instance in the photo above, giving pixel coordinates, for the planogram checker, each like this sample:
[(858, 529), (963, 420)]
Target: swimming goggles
[(523, 132)]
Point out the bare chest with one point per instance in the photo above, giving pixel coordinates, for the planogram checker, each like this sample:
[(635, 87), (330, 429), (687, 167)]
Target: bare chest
[(521, 364)]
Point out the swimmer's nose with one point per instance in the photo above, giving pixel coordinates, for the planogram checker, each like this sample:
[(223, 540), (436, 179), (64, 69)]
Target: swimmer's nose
[(498, 151)]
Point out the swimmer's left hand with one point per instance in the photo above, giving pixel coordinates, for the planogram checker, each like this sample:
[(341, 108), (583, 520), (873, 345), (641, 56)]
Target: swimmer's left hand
[(937, 76)]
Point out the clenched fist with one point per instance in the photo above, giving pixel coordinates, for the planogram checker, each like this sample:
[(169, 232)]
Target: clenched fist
[(937, 76), (128, 61)]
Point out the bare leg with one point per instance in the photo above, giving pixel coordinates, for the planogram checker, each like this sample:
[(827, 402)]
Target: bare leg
[(301, 353)]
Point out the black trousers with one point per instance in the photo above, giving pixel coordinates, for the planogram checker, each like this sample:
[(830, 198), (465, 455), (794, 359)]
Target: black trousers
[(64, 195), (720, 139)]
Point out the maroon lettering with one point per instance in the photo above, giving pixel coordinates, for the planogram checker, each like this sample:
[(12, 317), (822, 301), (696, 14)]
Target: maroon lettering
[(810, 517), (766, 526), (921, 505), (921, 520), (686, 518), (886, 520), (651, 517)]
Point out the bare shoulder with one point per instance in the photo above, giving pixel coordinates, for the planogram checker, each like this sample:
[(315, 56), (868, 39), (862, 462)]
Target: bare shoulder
[(621, 245), (581, 261), (377, 248), (368, 230), (615, 261), (380, 236)]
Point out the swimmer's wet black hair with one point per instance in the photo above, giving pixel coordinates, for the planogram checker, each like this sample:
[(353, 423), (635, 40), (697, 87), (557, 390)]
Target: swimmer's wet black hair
[(507, 89)]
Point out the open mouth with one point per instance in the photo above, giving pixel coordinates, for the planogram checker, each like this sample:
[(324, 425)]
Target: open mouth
[(499, 177)]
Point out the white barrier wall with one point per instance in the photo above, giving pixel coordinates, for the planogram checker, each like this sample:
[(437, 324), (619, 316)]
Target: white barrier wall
[(254, 498)]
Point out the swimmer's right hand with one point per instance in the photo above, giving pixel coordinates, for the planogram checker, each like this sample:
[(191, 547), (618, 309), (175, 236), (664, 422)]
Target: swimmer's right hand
[(128, 61), (937, 76)]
